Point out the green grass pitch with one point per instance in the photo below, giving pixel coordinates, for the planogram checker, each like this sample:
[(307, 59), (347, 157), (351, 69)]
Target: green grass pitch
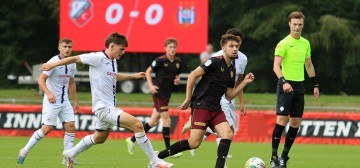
[(113, 154)]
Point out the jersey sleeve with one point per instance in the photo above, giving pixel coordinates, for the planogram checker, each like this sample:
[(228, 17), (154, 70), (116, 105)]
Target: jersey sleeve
[(208, 65), (48, 73), (280, 49), (90, 59), (155, 64), (308, 51), (179, 70)]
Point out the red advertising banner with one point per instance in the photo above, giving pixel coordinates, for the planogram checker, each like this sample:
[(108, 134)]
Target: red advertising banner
[(146, 24), (256, 126)]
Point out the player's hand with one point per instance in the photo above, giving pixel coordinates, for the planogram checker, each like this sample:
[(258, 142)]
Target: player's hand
[(316, 93), (76, 107), (250, 77), (154, 89), (46, 67), (176, 81), (185, 105), (139, 75), (242, 109), (287, 88), (51, 98)]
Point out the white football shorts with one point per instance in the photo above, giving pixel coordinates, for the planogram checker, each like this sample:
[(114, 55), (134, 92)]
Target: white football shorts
[(50, 112), (107, 118)]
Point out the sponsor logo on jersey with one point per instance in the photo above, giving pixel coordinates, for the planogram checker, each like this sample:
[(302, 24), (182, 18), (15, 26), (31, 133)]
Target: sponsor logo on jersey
[(80, 12), (111, 73), (166, 64)]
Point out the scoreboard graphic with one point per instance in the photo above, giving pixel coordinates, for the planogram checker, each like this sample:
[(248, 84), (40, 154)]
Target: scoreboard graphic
[(146, 23)]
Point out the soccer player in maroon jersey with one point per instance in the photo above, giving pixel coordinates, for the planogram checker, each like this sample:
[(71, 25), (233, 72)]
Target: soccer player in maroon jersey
[(217, 78), (167, 69)]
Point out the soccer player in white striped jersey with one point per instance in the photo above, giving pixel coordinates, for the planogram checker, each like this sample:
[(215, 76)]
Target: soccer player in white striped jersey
[(103, 77), (55, 84)]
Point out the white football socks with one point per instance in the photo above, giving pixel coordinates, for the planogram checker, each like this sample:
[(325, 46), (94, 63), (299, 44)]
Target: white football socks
[(35, 138), (146, 146), (84, 144), (69, 140)]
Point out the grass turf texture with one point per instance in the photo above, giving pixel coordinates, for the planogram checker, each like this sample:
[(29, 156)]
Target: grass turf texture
[(113, 154)]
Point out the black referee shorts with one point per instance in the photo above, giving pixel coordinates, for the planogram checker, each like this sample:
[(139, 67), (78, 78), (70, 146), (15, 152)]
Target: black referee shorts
[(290, 103)]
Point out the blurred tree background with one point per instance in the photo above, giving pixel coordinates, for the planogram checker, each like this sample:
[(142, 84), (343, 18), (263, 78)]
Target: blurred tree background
[(30, 31)]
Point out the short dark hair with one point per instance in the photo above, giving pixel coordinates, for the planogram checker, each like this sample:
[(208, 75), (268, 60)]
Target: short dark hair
[(296, 15), (235, 32), (117, 39), (228, 37), (65, 40), (171, 40)]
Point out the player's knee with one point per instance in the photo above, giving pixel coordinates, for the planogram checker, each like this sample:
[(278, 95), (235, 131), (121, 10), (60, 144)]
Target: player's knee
[(228, 134), (194, 144), (46, 129), (295, 124), (99, 140), (153, 123), (138, 126), (167, 121), (69, 127)]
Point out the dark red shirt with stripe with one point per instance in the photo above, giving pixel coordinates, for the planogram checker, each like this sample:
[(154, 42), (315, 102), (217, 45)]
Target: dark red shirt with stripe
[(165, 72), (213, 84)]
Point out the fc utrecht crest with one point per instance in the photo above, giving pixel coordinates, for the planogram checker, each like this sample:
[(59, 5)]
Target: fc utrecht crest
[(80, 11), (186, 13)]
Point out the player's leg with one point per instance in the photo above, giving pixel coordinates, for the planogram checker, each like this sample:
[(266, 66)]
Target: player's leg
[(192, 143), (165, 117), (154, 119), (222, 128), (67, 117), (200, 117), (297, 110), (231, 117), (134, 124), (49, 116), (283, 105)]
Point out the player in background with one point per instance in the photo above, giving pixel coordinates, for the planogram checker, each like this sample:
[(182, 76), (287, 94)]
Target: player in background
[(291, 54), (217, 78), (167, 69), (205, 55), (103, 78), (55, 85), (229, 106)]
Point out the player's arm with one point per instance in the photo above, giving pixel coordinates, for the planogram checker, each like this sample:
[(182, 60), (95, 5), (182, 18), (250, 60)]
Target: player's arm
[(232, 92), (65, 61), (276, 68), (43, 87), (198, 72), (149, 81), (72, 91), (241, 94), (311, 72), (122, 76)]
